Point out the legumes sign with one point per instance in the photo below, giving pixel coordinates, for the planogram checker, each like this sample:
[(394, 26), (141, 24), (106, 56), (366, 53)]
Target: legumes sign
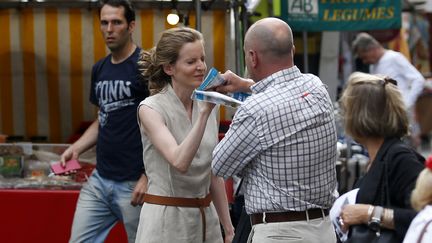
[(341, 15)]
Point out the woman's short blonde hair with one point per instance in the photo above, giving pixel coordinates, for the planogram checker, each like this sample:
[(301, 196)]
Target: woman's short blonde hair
[(422, 194), (372, 106)]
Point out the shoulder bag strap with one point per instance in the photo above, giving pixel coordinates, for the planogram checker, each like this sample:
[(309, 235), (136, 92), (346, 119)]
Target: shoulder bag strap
[(423, 232), (239, 187), (386, 195)]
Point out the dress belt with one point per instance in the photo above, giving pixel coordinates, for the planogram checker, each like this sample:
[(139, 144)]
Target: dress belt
[(200, 203), (274, 217)]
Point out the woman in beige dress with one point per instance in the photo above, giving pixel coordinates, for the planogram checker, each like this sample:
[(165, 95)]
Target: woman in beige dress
[(184, 199)]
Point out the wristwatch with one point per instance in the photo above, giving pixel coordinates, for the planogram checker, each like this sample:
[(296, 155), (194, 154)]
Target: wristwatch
[(375, 221)]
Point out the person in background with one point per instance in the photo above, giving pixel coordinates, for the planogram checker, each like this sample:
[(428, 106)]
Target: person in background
[(420, 230), (394, 65), (178, 137), (282, 141), (116, 187), (374, 116)]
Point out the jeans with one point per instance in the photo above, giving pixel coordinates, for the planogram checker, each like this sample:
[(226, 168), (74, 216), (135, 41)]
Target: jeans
[(101, 204)]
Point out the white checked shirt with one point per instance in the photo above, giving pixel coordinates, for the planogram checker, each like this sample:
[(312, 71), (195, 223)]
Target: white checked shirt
[(282, 140)]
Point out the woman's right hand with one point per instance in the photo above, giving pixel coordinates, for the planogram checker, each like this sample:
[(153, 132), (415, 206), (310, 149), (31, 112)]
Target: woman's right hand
[(207, 107)]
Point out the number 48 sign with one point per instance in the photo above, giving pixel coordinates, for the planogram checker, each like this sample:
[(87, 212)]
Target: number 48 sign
[(303, 7)]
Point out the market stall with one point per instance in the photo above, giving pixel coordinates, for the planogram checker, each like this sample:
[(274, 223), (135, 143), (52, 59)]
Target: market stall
[(42, 216), (36, 205)]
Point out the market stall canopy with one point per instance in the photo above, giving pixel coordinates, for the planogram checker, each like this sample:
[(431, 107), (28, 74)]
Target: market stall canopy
[(142, 4), (47, 52)]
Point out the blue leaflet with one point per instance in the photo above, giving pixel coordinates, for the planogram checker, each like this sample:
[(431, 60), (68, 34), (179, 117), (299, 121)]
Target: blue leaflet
[(214, 79)]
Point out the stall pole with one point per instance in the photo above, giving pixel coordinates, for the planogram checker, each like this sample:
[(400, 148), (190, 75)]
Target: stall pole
[(198, 14), (237, 41), (305, 52)]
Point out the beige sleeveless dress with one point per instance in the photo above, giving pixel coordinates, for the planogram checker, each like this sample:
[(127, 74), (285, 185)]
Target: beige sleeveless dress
[(168, 224)]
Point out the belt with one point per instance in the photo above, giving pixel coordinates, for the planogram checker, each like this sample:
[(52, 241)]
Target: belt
[(200, 203), (274, 217)]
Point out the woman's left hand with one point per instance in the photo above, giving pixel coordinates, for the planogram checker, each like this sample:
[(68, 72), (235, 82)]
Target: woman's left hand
[(229, 235)]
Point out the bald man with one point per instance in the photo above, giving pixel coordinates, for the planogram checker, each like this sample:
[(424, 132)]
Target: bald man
[(282, 141)]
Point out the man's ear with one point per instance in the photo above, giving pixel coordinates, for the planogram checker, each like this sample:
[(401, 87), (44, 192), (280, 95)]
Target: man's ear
[(168, 69), (253, 57), (293, 50), (131, 27)]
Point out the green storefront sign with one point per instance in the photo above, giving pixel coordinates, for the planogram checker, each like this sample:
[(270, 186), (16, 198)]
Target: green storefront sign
[(341, 15)]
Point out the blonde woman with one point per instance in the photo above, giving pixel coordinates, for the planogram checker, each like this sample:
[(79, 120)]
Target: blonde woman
[(184, 199), (420, 230)]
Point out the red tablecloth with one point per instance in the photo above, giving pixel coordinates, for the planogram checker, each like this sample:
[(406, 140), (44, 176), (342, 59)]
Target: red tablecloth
[(42, 216)]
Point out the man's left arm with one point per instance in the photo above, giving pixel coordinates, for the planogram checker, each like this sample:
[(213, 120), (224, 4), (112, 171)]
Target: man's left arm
[(239, 146)]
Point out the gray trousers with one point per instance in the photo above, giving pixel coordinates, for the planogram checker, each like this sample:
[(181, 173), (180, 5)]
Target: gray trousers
[(312, 231)]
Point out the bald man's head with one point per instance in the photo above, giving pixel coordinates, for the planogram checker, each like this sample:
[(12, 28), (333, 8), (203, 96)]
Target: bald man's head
[(271, 37)]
